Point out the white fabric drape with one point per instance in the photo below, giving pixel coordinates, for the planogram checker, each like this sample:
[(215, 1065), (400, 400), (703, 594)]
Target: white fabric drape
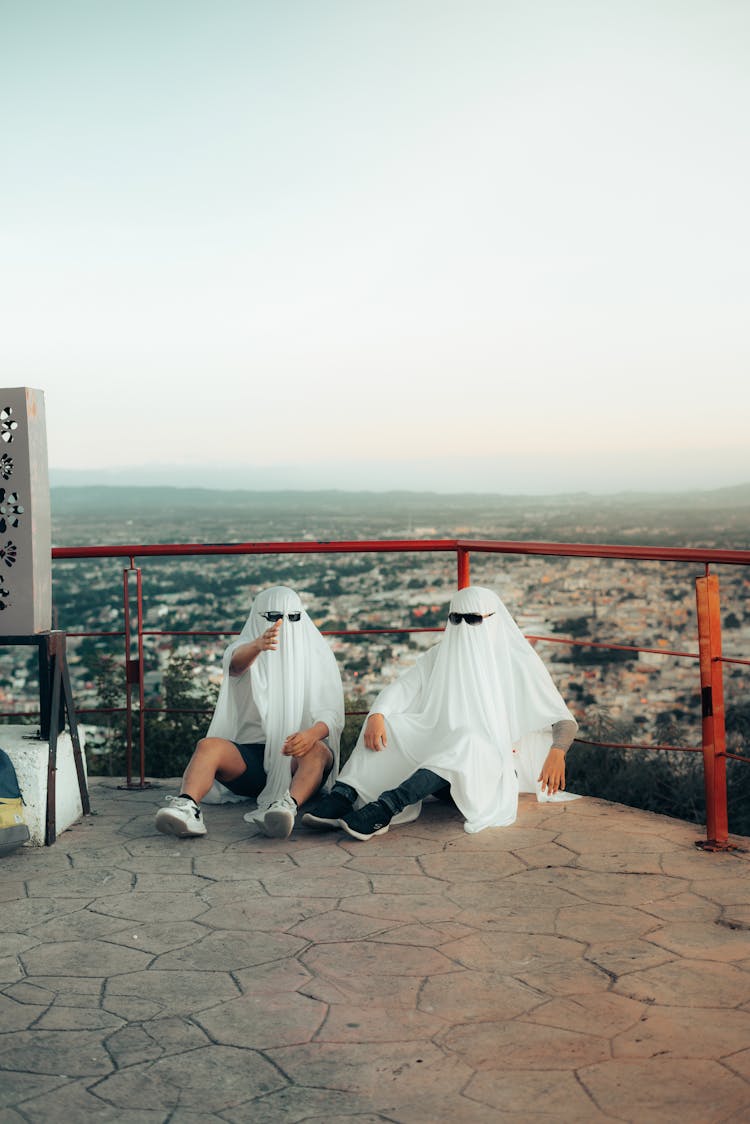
[(292, 687), (477, 709)]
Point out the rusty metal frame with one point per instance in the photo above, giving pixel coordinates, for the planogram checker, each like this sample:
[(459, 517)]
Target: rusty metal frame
[(709, 624)]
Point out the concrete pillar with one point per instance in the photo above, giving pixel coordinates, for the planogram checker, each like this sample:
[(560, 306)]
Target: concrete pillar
[(25, 527), (30, 755)]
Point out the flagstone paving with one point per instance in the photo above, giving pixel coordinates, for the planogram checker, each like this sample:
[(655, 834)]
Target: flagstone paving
[(586, 964)]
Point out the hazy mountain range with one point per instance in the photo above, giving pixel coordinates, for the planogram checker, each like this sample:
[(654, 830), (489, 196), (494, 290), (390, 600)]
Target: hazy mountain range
[(719, 518), (140, 497)]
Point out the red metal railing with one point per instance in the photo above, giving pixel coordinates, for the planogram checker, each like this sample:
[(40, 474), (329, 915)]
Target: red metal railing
[(709, 655)]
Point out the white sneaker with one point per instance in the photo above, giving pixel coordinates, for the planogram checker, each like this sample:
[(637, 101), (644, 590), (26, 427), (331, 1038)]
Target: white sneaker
[(279, 818), (180, 816)]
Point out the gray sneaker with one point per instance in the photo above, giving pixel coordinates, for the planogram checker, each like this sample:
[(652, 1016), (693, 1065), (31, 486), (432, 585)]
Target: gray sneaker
[(279, 818), (180, 816)]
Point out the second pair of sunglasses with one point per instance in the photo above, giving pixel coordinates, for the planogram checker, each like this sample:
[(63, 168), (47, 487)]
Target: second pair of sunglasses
[(470, 618), (272, 615)]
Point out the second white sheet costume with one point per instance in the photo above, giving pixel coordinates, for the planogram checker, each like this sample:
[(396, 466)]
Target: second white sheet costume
[(477, 709)]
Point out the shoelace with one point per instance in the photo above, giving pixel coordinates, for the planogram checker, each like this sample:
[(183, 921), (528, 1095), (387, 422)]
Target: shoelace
[(185, 803)]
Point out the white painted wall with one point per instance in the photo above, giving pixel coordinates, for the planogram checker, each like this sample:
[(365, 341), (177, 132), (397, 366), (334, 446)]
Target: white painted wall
[(30, 756)]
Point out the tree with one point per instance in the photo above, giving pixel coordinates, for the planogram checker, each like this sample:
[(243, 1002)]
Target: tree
[(574, 626), (668, 730), (106, 754), (352, 726), (171, 734)]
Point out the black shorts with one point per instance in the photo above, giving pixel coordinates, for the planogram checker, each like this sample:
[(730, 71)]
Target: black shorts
[(253, 780)]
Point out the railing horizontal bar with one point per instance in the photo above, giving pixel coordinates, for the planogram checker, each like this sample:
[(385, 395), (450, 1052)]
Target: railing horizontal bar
[(325, 631), (398, 631), (190, 632), (116, 634), (172, 550), (177, 710), (641, 745), (385, 546), (591, 550), (616, 647), (376, 631)]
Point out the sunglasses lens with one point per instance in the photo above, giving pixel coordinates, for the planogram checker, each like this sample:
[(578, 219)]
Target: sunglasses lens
[(294, 616), (272, 616), (473, 618), (454, 618)]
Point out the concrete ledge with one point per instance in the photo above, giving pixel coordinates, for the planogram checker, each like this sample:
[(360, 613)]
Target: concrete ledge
[(30, 755)]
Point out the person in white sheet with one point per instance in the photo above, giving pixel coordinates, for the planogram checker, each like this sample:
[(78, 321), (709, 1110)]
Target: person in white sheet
[(478, 712), (275, 731)]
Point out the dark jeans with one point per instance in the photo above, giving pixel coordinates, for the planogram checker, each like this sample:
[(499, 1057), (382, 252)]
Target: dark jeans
[(420, 784)]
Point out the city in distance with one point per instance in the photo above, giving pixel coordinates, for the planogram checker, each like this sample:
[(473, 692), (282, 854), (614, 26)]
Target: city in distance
[(617, 696)]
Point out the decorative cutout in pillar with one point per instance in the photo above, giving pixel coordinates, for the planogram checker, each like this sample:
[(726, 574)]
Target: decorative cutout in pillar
[(25, 535)]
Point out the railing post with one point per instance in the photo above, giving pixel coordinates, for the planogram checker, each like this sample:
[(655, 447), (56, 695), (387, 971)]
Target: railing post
[(134, 676), (463, 563), (712, 706)]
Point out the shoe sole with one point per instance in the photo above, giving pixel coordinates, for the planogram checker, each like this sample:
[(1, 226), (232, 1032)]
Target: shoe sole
[(173, 825), (320, 822), (278, 825), (361, 834)]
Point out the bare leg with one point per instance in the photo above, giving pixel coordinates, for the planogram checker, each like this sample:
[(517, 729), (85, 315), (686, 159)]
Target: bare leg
[(308, 772), (214, 758)]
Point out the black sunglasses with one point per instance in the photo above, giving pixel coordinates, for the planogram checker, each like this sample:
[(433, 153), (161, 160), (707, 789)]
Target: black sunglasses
[(470, 618), (272, 615)]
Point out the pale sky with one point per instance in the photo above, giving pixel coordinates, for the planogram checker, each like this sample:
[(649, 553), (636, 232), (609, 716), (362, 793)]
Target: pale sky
[(496, 245)]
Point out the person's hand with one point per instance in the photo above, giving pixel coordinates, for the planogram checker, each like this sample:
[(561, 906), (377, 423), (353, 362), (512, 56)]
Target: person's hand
[(246, 654), (552, 775), (268, 641), (297, 745), (375, 737)]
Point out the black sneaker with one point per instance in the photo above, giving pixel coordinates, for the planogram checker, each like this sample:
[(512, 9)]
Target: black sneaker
[(372, 819), (328, 811)]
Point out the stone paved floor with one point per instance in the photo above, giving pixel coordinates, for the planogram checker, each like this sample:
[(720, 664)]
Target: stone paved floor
[(586, 964)]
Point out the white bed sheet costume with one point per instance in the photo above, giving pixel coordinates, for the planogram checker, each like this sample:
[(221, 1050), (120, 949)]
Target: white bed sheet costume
[(477, 710), (282, 692)]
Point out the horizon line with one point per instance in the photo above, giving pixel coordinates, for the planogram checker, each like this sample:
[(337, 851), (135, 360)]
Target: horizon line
[(287, 490)]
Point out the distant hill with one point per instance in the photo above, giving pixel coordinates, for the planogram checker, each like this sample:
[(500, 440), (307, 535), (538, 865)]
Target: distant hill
[(82, 515), (111, 500)]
